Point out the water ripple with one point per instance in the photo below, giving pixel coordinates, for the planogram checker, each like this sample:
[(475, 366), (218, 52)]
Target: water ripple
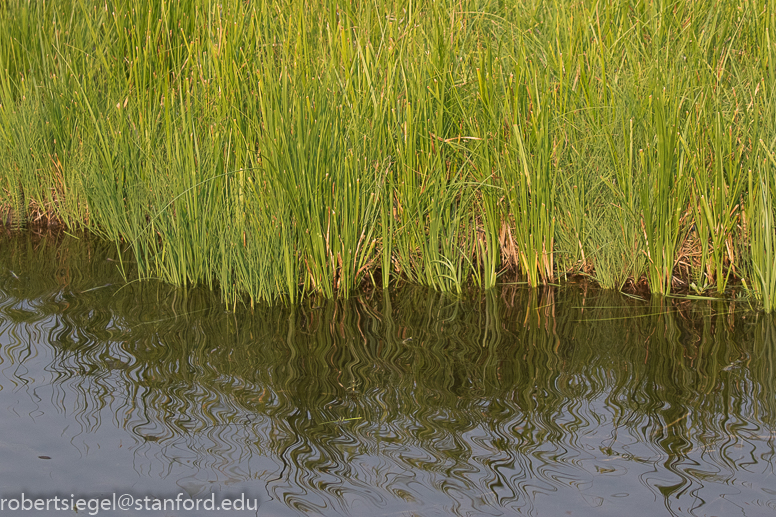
[(395, 403)]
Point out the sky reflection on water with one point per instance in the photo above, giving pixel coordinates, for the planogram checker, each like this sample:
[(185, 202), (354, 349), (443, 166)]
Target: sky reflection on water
[(562, 402)]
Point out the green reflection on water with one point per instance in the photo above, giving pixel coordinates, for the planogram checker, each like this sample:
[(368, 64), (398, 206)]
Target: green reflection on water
[(404, 401)]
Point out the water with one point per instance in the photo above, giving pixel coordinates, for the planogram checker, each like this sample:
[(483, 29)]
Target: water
[(565, 402)]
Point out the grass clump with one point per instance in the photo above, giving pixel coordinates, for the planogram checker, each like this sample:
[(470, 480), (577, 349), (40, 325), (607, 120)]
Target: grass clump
[(281, 149)]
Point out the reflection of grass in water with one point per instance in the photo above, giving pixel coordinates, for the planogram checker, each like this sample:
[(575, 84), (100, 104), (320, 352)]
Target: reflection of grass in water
[(341, 420), (296, 365), (509, 364)]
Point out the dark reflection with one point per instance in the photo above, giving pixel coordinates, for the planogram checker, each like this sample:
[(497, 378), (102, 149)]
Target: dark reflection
[(512, 401)]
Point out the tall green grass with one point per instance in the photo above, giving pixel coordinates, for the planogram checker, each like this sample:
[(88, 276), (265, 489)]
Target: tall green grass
[(276, 150)]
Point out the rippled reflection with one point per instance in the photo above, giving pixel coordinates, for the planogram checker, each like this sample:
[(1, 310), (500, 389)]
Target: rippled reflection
[(574, 402)]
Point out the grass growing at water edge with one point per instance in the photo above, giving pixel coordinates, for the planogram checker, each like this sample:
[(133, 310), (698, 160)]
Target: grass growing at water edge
[(276, 150)]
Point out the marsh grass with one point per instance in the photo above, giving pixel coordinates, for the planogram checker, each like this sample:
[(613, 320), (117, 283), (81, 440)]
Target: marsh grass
[(277, 150), (763, 240)]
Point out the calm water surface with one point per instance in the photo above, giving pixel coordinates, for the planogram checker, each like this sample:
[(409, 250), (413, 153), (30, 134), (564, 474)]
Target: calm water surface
[(567, 402)]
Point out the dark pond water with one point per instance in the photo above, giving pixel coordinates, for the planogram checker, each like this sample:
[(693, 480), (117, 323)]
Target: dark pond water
[(566, 402)]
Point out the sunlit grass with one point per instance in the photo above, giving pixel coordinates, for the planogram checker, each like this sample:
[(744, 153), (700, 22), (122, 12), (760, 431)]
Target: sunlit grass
[(276, 150)]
